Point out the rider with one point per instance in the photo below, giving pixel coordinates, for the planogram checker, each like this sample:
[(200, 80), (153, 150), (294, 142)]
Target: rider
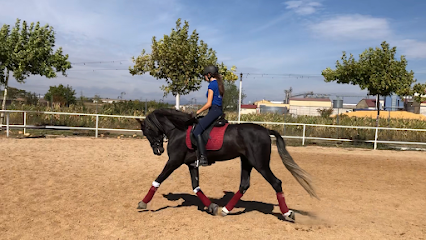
[(214, 104)]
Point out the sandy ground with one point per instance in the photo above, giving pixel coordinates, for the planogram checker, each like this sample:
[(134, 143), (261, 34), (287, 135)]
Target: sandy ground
[(83, 188)]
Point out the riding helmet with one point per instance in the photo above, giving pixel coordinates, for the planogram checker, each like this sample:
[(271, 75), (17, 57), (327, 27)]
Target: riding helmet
[(210, 69)]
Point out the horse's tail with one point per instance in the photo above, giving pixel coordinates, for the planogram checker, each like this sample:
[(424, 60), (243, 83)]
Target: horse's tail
[(301, 175)]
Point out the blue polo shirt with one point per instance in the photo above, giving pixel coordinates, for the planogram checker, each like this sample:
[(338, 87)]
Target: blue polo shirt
[(217, 99)]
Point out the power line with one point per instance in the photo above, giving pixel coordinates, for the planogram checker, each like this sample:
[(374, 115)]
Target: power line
[(282, 77), (249, 75), (296, 75), (101, 62), (281, 74), (94, 70)]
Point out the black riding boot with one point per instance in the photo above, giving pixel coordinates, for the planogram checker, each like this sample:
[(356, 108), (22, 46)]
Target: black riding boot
[(202, 151)]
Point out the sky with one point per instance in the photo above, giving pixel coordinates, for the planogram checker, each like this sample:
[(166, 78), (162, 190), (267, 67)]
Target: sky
[(275, 44)]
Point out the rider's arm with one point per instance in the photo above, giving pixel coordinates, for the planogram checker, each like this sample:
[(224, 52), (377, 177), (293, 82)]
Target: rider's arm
[(209, 102)]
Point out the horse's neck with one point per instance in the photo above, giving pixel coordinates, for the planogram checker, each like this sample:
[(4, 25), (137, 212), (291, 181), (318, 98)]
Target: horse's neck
[(167, 124)]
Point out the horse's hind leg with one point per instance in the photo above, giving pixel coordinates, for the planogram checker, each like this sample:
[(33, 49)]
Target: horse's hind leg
[(246, 168), (211, 207), (260, 157), (266, 172)]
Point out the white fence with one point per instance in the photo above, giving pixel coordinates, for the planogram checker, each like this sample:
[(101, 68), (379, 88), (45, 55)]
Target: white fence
[(303, 137), (96, 129)]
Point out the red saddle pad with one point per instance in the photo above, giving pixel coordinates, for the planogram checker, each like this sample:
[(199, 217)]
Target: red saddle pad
[(215, 141)]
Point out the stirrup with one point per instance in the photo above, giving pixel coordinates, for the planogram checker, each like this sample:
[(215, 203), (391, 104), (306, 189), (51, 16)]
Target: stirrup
[(206, 163), (195, 164)]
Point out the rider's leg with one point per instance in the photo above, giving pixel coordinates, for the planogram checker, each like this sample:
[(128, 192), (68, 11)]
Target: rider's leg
[(201, 145), (214, 113)]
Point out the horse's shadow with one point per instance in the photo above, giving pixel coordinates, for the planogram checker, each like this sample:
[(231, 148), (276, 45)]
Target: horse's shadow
[(249, 206)]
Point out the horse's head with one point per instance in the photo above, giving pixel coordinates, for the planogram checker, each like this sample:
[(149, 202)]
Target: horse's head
[(162, 122), (154, 136)]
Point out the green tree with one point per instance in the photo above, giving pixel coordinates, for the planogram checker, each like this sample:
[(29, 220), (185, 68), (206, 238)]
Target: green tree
[(232, 94), (326, 112), (61, 94), (228, 74), (82, 100), (178, 58), (129, 107), (378, 71), (29, 51), (97, 99), (14, 93), (231, 98), (31, 98)]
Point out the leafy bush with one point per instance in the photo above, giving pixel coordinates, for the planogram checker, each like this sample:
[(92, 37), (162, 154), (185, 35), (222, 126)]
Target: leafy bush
[(343, 133), (137, 109), (326, 112)]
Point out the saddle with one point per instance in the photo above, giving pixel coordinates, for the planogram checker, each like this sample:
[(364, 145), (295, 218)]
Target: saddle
[(219, 124)]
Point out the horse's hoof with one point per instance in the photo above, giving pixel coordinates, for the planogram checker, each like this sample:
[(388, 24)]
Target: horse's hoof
[(142, 205), (289, 216), (224, 211), (213, 209)]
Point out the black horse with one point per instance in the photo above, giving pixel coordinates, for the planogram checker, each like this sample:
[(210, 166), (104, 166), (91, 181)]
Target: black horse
[(250, 142)]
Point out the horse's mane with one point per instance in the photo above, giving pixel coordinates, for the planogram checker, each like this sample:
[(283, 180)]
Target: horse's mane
[(178, 118)]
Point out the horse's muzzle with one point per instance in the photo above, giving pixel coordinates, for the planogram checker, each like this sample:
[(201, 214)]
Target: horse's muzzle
[(158, 150)]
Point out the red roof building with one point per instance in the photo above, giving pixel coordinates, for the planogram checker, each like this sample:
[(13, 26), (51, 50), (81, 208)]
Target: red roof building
[(369, 104), (248, 106)]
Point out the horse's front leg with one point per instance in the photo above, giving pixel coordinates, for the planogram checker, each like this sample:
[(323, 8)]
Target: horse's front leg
[(212, 207), (171, 165)]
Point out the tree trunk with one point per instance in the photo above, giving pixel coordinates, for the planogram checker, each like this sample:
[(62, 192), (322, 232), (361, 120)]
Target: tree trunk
[(405, 103), (378, 109), (3, 105), (177, 102)]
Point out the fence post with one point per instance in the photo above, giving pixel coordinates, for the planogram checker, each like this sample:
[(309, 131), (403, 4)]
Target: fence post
[(239, 98), (303, 139), (375, 138), (7, 124), (284, 129), (25, 123), (97, 125)]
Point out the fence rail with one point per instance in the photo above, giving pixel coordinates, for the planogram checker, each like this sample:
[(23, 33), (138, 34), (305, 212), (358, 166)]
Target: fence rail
[(303, 137)]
